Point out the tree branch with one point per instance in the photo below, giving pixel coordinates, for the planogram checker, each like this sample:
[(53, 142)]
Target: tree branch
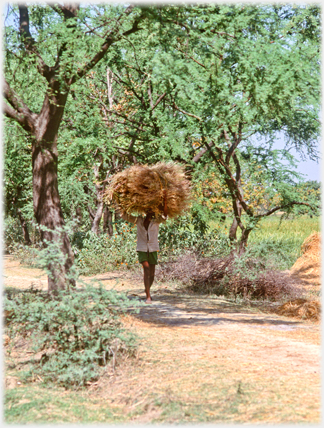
[(186, 113), (283, 207), (149, 92), (202, 152), (110, 39), (29, 42), (230, 180), (221, 33), (190, 57), (159, 100), (237, 140), (110, 111), (69, 10), (17, 109)]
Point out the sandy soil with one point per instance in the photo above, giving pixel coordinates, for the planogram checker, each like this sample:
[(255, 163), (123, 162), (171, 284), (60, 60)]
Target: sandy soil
[(207, 356)]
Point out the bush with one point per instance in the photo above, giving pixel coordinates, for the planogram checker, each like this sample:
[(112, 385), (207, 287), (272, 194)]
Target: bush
[(282, 251), (181, 235), (78, 332), (12, 235), (230, 275), (13, 238), (99, 253)]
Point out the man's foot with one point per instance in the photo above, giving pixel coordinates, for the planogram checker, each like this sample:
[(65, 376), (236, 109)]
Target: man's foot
[(148, 300)]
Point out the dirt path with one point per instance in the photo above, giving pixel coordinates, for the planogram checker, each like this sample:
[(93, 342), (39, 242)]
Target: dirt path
[(205, 359)]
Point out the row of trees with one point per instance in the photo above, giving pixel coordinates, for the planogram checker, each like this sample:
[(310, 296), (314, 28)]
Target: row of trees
[(90, 90)]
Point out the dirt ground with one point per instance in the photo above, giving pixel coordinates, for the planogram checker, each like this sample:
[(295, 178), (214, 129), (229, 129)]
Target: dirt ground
[(203, 358)]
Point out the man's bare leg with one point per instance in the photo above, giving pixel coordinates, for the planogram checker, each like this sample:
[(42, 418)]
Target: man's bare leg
[(147, 280), (152, 272)]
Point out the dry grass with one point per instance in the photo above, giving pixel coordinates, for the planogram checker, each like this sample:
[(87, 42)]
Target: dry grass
[(245, 367), (306, 269), (308, 266), (228, 374), (301, 308), (221, 276), (140, 188)]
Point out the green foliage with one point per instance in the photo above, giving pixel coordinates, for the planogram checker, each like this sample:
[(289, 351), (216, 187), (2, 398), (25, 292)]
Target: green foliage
[(13, 240), (12, 235), (78, 331), (190, 73), (17, 171), (101, 253), (280, 240), (274, 239), (189, 233)]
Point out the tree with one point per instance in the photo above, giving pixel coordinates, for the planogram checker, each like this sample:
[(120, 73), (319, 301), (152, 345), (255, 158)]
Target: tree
[(221, 76), (192, 84), (57, 45), (247, 71)]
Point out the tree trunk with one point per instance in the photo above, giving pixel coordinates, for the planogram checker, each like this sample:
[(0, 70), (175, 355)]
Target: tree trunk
[(243, 241), (234, 226), (48, 213), (24, 227), (107, 221), (43, 128), (117, 217), (233, 230), (97, 218)]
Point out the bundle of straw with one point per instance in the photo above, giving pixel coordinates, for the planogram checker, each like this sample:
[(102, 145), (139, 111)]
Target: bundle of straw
[(301, 308), (308, 266), (140, 189)]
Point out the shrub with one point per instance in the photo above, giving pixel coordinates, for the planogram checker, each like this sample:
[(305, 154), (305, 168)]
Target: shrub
[(99, 253), (78, 332), (13, 239), (230, 275), (12, 235), (181, 235)]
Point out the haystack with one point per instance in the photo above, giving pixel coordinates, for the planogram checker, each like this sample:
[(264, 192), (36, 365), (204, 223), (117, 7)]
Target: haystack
[(301, 308), (308, 266), (307, 269), (140, 188)]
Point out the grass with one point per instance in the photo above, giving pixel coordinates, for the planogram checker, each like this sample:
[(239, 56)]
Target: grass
[(199, 376), (278, 240), (37, 404), (295, 230), (270, 228), (284, 239)]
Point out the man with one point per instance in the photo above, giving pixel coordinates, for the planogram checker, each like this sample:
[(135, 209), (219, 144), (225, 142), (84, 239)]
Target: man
[(148, 244)]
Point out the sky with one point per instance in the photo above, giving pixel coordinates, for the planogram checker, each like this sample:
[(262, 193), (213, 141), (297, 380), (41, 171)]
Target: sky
[(311, 169)]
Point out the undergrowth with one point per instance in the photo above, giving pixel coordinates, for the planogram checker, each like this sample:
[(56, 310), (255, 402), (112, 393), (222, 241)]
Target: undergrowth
[(275, 240), (246, 276), (78, 332)]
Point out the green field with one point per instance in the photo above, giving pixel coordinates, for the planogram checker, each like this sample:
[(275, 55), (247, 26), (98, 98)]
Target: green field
[(296, 230), (279, 240)]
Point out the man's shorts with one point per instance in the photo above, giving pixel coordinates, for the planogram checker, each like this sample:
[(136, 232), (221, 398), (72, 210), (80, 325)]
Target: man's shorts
[(152, 258)]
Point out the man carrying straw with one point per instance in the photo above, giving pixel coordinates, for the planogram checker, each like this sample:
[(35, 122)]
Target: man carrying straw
[(147, 243), (142, 190)]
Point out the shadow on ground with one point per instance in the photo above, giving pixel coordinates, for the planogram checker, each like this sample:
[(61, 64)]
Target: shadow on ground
[(187, 311)]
